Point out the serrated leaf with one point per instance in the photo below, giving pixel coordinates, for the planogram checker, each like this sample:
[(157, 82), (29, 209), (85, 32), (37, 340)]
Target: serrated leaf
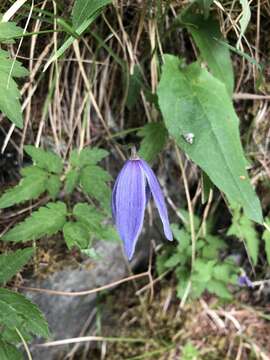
[(206, 34), (16, 309), (47, 220), (9, 352), (11, 66), (92, 156), (154, 140), (93, 181), (9, 93), (54, 185), (9, 30), (45, 159), (72, 180), (193, 102), (266, 238), (85, 9), (219, 288), (76, 234), (244, 230), (87, 156), (12, 262), (29, 188), (88, 215)]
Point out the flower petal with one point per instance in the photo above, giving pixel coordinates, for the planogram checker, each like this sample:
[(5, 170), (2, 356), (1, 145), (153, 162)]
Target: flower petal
[(129, 204), (113, 205), (158, 197)]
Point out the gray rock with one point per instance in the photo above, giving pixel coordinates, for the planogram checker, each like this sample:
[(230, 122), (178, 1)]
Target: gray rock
[(66, 316)]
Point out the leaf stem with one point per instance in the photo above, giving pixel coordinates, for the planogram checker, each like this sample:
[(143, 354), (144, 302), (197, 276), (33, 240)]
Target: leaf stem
[(24, 344), (191, 215)]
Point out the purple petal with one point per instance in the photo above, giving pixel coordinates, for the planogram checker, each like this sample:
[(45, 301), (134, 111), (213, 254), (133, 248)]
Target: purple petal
[(129, 201), (114, 191), (158, 197)]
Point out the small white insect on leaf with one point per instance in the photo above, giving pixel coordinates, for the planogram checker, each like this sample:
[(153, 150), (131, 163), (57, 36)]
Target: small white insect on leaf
[(189, 137)]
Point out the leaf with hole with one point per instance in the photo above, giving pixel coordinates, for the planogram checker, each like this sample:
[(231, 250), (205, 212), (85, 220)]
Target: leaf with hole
[(193, 102)]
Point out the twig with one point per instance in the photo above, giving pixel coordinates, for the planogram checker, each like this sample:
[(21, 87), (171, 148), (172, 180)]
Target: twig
[(85, 292)]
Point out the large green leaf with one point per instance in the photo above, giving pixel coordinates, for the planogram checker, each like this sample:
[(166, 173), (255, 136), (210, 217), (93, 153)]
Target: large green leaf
[(9, 352), (199, 115), (29, 187), (12, 262), (17, 311), (47, 220), (85, 9), (154, 139), (206, 34), (45, 159)]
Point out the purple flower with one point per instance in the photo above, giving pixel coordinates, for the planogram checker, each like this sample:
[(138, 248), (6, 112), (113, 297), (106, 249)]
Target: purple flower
[(244, 280), (132, 189)]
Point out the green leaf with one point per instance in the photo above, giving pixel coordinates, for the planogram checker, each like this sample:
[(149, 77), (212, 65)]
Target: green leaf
[(72, 180), (135, 86), (189, 352), (46, 160), (16, 309), (218, 288), (91, 156), (88, 215), (12, 262), (266, 238), (203, 270), (9, 30), (93, 181), (9, 352), (193, 102), (206, 34), (244, 230), (91, 253), (10, 66), (96, 8), (244, 20), (85, 9), (154, 140), (47, 220), (9, 99), (205, 6), (29, 188), (54, 185), (76, 234)]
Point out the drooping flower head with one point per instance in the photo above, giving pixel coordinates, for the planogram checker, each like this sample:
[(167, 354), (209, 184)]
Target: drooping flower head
[(133, 187)]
